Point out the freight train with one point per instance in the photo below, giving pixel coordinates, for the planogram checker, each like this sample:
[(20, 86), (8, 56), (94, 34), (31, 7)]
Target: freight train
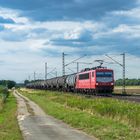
[(90, 80)]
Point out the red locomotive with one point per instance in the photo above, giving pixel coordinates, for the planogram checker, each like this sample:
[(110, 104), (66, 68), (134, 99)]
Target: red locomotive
[(95, 80)]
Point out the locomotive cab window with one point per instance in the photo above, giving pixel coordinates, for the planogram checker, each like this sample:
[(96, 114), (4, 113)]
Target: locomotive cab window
[(84, 76), (104, 74)]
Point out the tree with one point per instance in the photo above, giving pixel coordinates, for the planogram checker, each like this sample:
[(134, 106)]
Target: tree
[(8, 83), (11, 84), (128, 82)]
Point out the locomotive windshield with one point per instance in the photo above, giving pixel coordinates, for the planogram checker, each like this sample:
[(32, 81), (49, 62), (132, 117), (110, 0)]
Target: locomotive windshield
[(104, 74)]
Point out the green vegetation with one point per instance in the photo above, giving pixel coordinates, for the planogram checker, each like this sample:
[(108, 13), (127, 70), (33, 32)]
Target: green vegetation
[(128, 82), (9, 129), (4, 93), (129, 89), (104, 118), (7, 83)]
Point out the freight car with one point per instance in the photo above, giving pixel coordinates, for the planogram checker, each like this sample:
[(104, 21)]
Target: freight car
[(94, 80)]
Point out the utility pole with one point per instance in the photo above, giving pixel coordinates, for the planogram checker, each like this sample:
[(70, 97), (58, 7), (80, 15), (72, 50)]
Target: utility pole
[(123, 73), (46, 71), (63, 67), (123, 89), (34, 75), (63, 64)]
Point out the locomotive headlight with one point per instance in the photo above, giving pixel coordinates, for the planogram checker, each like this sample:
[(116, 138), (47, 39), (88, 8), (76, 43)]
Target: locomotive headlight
[(112, 84)]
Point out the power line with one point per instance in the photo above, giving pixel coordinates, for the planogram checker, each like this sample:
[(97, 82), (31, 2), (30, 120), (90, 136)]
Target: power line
[(114, 60), (64, 65), (52, 71), (109, 62), (70, 70), (75, 60), (123, 68), (81, 63)]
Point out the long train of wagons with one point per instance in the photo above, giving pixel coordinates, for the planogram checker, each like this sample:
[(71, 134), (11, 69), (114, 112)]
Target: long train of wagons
[(90, 80)]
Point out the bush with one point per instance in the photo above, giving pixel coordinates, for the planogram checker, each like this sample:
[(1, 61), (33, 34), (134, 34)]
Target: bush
[(4, 93)]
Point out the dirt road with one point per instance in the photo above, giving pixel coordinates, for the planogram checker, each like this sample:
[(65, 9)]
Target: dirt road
[(36, 125)]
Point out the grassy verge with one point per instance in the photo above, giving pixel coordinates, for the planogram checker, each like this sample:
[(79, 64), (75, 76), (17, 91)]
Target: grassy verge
[(129, 89), (9, 129), (106, 119)]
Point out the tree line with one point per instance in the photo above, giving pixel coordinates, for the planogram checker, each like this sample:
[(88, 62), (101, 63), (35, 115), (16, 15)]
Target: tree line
[(8, 83), (128, 82)]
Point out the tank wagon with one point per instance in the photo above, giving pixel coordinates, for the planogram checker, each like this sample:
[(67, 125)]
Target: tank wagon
[(94, 80)]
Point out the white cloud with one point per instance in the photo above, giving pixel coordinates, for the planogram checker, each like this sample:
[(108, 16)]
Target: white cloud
[(13, 14), (127, 31), (132, 13), (132, 31)]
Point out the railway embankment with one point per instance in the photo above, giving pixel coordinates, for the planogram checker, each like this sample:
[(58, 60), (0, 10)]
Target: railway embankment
[(105, 118)]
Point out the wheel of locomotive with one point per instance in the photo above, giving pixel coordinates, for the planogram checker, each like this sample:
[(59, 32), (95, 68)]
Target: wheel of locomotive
[(90, 91), (87, 91), (93, 91), (82, 91)]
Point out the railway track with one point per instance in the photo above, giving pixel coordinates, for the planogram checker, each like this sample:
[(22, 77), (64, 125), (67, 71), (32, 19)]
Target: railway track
[(129, 97)]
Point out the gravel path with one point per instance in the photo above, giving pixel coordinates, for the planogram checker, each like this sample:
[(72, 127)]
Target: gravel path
[(36, 125)]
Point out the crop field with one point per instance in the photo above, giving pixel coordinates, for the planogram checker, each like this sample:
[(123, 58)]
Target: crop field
[(9, 129), (105, 118), (129, 89)]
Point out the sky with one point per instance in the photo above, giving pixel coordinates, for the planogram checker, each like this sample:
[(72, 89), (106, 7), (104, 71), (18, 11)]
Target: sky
[(33, 32)]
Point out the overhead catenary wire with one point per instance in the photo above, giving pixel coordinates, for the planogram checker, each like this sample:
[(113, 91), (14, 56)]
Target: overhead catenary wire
[(71, 70), (75, 60), (123, 68)]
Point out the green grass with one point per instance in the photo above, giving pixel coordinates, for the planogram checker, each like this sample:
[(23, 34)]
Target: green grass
[(9, 129), (128, 87), (107, 119)]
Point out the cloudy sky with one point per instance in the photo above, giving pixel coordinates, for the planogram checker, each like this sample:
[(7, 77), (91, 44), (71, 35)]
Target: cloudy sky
[(33, 32)]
